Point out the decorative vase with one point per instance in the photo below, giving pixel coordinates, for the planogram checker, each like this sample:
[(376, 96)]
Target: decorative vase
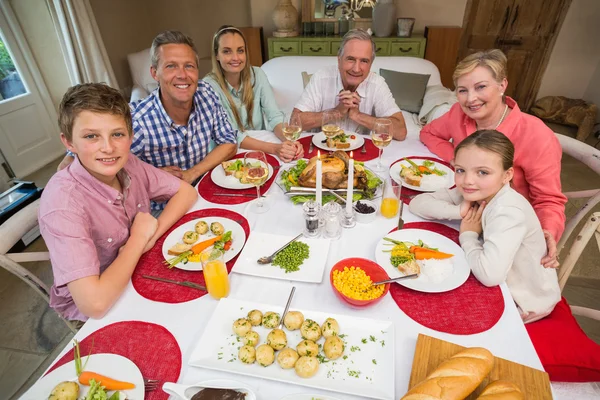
[(384, 18), (285, 17)]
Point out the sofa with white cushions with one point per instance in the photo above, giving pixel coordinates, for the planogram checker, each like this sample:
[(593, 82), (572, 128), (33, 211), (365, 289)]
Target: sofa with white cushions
[(285, 76)]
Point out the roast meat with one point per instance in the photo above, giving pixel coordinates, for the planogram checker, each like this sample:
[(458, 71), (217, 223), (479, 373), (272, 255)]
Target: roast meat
[(335, 172)]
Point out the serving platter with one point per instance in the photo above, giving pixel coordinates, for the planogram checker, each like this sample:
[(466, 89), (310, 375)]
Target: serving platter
[(396, 167), (231, 182), (458, 276), (110, 365), (238, 237), (355, 143), (368, 369)]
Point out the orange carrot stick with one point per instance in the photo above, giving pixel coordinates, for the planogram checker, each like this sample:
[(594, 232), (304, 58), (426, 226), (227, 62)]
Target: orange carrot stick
[(423, 168), (422, 253), (108, 383), (198, 248)]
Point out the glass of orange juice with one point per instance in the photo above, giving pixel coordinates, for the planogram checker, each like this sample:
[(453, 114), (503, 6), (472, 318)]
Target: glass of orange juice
[(215, 273), (390, 202)]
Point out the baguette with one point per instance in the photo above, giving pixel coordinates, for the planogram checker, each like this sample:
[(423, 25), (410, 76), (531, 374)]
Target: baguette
[(455, 378), (501, 390), (225, 165), (179, 248)]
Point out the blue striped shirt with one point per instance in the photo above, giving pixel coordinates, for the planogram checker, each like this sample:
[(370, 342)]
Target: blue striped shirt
[(159, 141)]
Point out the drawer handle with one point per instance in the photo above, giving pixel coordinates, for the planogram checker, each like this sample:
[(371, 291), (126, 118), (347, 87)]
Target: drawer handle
[(405, 51), (285, 50), (315, 50), (377, 50)]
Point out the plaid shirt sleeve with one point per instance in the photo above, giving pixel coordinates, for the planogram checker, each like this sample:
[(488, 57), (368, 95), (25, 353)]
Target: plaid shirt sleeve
[(222, 131)]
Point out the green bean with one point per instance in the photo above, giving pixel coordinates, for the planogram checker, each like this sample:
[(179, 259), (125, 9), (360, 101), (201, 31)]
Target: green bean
[(291, 258)]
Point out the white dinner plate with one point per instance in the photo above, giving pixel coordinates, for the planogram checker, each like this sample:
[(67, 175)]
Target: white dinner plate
[(367, 370), (110, 365), (231, 182), (355, 143), (397, 166), (460, 271), (264, 244), (238, 237)]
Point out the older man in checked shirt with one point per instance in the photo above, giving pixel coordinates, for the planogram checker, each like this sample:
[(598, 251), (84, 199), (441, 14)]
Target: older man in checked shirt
[(177, 125)]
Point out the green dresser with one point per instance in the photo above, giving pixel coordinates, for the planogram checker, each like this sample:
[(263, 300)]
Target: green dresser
[(329, 46)]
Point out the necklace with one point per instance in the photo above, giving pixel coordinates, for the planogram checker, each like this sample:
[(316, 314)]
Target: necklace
[(501, 118)]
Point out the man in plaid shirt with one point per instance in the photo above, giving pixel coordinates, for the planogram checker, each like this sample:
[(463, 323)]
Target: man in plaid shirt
[(180, 127)]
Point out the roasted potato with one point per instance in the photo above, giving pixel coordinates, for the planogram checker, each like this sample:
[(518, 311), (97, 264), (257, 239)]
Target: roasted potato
[(217, 228), (65, 391), (190, 237), (201, 227)]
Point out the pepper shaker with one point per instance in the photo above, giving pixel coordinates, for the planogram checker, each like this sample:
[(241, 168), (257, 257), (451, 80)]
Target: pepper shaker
[(312, 211)]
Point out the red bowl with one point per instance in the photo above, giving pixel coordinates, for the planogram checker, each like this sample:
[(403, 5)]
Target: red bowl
[(372, 269)]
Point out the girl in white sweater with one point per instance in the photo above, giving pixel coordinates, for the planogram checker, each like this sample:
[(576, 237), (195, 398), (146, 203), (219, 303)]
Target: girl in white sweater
[(500, 233)]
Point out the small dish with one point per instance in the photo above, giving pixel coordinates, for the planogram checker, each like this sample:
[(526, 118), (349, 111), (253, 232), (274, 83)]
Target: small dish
[(372, 269), (186, 392), (366, 218)]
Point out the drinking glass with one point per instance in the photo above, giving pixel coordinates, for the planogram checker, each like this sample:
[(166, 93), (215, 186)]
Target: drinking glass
[(390, 202), (381, 135), (331, 123), (292, 127), (256, 172), (215, 273)]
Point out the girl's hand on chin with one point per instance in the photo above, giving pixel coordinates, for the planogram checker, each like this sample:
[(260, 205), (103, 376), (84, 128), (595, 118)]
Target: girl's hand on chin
[(464, 208), (472, 221)]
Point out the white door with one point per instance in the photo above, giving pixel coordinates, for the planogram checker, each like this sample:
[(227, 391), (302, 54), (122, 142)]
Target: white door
[(29, 137)]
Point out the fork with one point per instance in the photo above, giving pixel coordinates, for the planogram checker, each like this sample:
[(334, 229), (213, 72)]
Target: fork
[(150, 384), (269, 259)]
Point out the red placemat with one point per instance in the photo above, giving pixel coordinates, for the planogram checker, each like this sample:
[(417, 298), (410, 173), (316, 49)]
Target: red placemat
[(151, 264), (152, 348), (469, 309), (371, 154), (407, 193), (207, 188)]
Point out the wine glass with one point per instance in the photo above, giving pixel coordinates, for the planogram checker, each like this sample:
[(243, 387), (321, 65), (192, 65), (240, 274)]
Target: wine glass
[(292, 127), (256, 172), (381, 135), (331, 123)]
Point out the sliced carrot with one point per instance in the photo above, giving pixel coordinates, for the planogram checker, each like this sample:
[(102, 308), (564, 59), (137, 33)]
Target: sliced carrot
[(198, 248), (422, 253), (108, 383), (423, 168)]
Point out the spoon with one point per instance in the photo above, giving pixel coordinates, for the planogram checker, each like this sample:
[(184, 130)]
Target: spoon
[(287, 307), (400, 278), (186, 392), (269, 259)]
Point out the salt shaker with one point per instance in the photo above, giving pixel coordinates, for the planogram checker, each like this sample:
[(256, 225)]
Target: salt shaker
[(312, 210), (332, 214)]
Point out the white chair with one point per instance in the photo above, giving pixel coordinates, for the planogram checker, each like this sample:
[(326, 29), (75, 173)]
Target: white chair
[(590, 157), (10, 233)]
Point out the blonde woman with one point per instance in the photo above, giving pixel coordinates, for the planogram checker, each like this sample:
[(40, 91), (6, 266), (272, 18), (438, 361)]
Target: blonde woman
[(246, 95), (480, 81)]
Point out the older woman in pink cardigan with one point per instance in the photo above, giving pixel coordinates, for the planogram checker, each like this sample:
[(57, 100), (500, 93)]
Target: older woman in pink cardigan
[(480, 81)]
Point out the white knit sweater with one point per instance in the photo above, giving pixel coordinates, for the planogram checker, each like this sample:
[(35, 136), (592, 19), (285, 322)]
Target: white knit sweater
[(511, 247)]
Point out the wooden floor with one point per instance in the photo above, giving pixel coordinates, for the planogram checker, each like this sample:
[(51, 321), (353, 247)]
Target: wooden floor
[(32, 335)]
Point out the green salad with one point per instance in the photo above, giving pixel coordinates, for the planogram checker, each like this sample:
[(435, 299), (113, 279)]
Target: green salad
[(290, 177)]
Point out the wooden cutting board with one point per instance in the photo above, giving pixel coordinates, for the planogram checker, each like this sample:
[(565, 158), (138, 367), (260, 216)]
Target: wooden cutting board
[(430, 352)]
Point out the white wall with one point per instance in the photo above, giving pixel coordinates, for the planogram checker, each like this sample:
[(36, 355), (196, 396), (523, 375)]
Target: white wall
[(575, 59), (431, 12)]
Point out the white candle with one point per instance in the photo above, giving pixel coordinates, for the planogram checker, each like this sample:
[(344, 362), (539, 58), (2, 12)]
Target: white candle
[(349, 193), (319, 180)]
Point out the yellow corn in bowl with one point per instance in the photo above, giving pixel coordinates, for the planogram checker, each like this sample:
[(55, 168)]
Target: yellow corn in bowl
[(351, 280)]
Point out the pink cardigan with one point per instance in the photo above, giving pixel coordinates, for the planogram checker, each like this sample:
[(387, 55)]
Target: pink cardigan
[(536, 164)]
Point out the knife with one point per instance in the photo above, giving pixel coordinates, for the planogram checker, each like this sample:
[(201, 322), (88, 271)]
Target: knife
[(400, 220), (236, 195), (181, 283), (311, 146)]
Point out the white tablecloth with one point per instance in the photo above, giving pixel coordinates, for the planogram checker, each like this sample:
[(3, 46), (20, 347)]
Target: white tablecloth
[(186, 321)]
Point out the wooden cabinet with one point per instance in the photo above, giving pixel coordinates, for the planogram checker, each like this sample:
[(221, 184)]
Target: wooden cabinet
[(329, 46), (525, 30)]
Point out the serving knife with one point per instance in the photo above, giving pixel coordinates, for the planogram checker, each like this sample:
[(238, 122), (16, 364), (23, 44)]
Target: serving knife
[(300, 189), (181, 283)]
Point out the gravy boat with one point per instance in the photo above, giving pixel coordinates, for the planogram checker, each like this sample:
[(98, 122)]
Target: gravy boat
[(186, 392)]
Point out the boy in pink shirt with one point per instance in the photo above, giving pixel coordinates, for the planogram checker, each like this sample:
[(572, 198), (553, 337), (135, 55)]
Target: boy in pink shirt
[(94, 215)]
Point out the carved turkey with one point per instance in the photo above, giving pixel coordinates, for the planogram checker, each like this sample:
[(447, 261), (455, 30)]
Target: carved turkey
[(335, 172)]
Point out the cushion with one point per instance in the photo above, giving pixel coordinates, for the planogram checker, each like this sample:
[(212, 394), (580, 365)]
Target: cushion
[(306, 78), (408, 89), (139, 65), (565, 351)]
